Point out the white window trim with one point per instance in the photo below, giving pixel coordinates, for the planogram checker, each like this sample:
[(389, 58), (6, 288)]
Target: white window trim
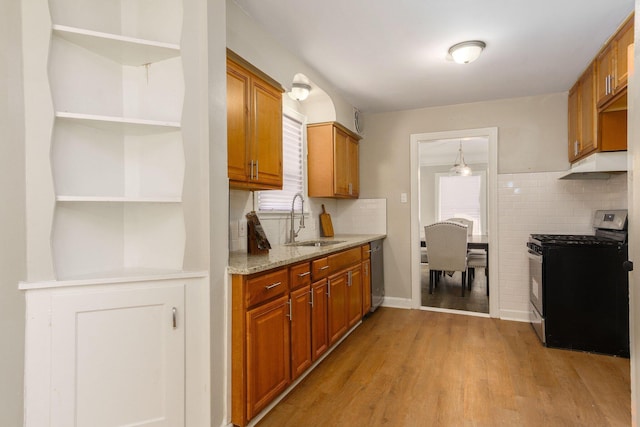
[(280, 214)]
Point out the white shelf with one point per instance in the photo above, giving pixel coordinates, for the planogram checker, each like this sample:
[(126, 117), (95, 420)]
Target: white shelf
[(118, 199), (121, 49), (89, 239), (115, 276), (129, 125)]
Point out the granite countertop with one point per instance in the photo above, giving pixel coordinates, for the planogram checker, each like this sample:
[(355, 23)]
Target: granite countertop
[(281, 255)]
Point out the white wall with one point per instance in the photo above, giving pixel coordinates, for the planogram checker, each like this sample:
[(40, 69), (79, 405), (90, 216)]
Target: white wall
[(219, 203), (531, 138), (12, 214)]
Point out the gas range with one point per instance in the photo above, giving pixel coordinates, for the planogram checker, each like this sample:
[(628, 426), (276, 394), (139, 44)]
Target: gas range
[(610, 230), (578, 287)]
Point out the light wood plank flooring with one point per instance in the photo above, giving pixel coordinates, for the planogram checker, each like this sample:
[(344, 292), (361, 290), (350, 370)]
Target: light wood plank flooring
[(420, 368)]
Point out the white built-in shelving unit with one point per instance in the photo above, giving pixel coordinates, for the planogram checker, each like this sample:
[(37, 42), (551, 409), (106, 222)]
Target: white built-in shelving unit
[(107, 294), (117, 155)]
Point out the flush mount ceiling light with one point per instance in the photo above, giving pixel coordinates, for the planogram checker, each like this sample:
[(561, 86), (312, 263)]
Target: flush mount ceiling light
[(460, 168), (466, 52), (299, 91)]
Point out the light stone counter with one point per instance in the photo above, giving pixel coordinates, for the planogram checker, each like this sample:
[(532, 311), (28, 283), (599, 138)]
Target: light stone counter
[(281, 255)]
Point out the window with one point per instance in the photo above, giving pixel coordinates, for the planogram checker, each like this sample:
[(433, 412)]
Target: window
[(292, 167), (462, 197)]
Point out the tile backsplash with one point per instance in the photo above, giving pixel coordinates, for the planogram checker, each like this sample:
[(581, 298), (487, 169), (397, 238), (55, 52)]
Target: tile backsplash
[(361, 216), (541, 203)]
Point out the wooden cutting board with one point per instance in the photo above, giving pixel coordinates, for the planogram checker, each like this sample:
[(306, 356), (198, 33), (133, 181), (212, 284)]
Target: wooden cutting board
[(326, 226)]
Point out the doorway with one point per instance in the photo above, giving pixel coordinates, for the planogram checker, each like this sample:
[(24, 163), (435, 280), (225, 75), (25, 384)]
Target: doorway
[(432, 156)]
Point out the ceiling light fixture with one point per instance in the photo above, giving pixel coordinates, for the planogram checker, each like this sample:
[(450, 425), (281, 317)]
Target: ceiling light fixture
[(300, 91), (460, 168), (466, 52)]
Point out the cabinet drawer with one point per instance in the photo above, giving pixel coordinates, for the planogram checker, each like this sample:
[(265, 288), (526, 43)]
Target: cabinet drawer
[(320, 268), (299, 275), (266, 286), (366, 251), (344, 259)]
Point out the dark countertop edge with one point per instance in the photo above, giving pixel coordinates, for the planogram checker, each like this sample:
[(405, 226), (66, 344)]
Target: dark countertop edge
[(242, 263)]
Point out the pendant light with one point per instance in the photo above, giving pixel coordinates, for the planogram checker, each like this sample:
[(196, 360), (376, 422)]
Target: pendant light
[(460, 168)]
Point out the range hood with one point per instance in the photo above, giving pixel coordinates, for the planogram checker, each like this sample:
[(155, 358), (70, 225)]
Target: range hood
[(598, 166)]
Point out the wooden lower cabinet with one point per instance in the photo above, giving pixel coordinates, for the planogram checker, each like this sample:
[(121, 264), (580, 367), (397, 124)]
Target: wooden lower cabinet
[(337, 307), (354, 295), (285, 319), (319, 319), (301, 320), (268, 353)]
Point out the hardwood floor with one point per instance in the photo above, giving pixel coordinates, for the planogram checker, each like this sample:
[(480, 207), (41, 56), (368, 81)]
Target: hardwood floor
[(447, 294), (421, 368)]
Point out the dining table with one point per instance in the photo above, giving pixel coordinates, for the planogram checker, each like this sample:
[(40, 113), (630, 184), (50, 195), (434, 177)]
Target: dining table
[(475, 241)]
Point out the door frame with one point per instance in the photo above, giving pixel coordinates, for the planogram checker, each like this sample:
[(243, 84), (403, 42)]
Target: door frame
[(491, 133)]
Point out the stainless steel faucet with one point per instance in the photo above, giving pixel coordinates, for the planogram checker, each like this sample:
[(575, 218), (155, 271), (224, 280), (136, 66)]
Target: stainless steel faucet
[(293, 234)]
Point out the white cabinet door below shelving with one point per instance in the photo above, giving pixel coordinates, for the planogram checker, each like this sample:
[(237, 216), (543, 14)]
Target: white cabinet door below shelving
[(118, 357)]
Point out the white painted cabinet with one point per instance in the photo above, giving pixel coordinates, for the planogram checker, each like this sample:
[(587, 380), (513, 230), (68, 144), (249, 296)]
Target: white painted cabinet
[(111, 355), (118, 357)]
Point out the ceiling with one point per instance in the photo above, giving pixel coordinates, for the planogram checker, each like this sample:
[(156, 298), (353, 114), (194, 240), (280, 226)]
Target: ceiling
[(392, 55)]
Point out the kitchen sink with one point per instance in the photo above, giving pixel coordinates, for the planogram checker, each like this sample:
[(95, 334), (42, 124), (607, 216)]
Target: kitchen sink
[(316, 243)]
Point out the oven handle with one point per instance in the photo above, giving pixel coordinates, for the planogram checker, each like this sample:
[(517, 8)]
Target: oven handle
[(534, 256)]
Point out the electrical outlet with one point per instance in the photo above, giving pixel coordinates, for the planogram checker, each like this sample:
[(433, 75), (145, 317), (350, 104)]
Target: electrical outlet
[(403, 197), (242, 228)]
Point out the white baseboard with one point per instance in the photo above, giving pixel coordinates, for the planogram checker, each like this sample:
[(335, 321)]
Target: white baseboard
[(397, 302), (514, 315)]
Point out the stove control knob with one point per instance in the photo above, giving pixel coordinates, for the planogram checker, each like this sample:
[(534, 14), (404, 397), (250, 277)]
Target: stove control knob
[(627, 265)]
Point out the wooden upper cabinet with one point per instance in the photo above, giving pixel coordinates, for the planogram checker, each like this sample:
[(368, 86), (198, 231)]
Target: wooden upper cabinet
[(238, 83), (612, 64), (582, 116), (623, 41), (254, 127), (333, 165), (597, 103)]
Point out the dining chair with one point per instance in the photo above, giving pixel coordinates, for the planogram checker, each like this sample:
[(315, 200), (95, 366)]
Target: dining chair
[(447, 246), (476, 258), (463, 221)]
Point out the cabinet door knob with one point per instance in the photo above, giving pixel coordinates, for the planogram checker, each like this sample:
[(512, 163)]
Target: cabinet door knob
[(627, 265)]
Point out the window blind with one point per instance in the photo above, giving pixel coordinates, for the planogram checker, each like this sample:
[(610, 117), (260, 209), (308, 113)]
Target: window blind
[(292, 168), (459, 196)]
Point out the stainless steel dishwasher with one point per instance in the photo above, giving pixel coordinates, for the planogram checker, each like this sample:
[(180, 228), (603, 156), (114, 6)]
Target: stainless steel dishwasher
[(377, 275)]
